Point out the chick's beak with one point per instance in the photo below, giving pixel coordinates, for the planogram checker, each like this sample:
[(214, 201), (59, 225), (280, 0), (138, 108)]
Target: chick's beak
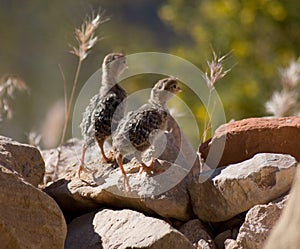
[(125, 65), (179, 90)]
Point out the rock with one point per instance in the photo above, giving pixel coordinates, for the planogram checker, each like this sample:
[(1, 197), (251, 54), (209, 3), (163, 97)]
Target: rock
[(238, 187), (173, 147), (194, 230), (286, 233), (82, 196), (203, 244), (68, 161), (164, 194), (123, 229), (257, 226), (241, 140), (220, 238), (232, 224), (22, 158), (28, 217)]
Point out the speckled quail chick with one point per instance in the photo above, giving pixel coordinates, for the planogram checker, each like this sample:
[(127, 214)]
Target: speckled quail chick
[(141, 127), (105, 109)]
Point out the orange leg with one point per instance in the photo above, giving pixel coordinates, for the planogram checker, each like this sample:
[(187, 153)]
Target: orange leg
[(81, 166), (105, 159), (150, 169), (119, 159), (147, 169)]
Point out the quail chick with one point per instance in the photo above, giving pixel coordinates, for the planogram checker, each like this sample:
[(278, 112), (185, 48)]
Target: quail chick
[(104, 110), (141, 127)]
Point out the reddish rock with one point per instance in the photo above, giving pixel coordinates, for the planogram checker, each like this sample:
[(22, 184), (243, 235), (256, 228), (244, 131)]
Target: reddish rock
[(245, 138)]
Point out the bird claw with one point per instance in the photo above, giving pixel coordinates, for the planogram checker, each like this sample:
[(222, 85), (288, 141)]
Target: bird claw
[(151, 169), (108, 159), (126, 185), (83, 169)]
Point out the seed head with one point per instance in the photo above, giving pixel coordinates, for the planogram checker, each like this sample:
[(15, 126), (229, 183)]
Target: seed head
[(215, 70), (85, 35), (8, 85), (290, 76)]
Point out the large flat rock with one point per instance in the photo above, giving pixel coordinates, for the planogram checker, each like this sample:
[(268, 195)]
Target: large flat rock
[(28, 217), (123, 229), (237, 141), (77, 196), (164, 193), (238, 187), (22, 158)]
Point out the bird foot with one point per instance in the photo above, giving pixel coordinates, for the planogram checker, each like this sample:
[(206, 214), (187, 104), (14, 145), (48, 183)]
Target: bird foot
[(151, 169), (108, 159), (126, 185), (83, 169)]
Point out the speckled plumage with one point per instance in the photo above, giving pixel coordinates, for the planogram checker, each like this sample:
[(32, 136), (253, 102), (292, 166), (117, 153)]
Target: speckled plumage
[(140, 127), (88, 120), (109, 112), (104, 110)]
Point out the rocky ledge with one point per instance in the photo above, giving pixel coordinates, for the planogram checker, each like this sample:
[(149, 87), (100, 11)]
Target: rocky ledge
[(234, 203)]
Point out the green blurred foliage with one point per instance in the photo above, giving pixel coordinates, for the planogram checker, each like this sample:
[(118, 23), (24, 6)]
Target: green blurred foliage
[(261, 35)]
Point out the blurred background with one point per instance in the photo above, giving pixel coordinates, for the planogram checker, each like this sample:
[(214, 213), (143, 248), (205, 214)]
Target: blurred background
[(259, 35)]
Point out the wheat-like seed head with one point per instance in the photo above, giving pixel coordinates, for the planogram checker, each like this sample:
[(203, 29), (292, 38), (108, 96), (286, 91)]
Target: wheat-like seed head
[(85, 35), (34, 138), (8, 85), (282, 103), (285, 103), (216, 70), (290, 76)]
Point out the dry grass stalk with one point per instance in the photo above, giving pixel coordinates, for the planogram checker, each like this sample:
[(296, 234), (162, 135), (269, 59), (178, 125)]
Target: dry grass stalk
[(286, 102), (214, 73), (85, 36), (9, 84)]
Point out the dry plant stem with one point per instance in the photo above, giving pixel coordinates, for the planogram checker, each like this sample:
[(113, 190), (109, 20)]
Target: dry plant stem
[(207, 123), (70, 102), (214, 74), (68, 105), (86, 40)]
